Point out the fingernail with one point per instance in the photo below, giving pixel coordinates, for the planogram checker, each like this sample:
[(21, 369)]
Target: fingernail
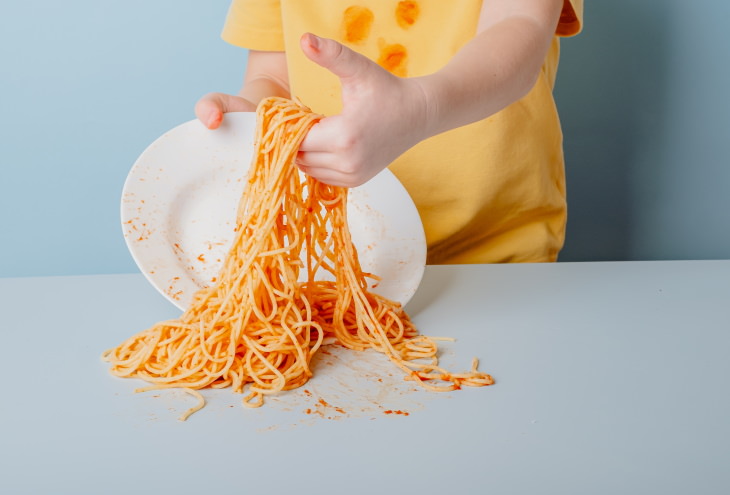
[(314, 41), (213, 121)]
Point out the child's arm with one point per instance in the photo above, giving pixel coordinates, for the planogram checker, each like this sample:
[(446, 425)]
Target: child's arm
[(384, 115), (498, 67), (266, 75)]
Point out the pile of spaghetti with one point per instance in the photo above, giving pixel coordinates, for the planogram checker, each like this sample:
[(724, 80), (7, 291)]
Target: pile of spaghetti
[(261, 323)]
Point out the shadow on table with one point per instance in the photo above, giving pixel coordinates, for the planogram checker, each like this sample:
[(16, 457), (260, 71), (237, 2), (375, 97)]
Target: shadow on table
[(434, 283)]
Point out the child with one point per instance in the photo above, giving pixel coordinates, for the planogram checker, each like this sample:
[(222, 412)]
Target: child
[(454, 97)]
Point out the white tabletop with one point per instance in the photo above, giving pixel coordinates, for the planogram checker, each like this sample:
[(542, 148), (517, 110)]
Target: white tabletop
[(611, 378)]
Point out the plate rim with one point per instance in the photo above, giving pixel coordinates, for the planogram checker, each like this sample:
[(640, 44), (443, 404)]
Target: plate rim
[(231, 122)]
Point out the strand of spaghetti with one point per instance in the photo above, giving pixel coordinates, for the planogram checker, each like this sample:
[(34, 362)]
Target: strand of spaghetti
[(184, 416), (195, 408)]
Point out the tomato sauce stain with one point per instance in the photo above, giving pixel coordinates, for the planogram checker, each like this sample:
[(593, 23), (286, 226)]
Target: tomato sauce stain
[(406, 14), (393, 58), (356, 23), (398, 412)]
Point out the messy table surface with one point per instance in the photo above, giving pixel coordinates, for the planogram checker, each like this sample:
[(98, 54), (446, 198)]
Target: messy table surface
[(610, 378)]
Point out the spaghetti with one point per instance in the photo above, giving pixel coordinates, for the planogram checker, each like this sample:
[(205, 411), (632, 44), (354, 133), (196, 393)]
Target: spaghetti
[(258, 327)]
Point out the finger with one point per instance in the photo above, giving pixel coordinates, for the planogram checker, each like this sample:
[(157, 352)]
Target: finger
[(211, 107), (209, 112), (316, 159), (328, 176), (334, 176), (321, 136), (334, 56)]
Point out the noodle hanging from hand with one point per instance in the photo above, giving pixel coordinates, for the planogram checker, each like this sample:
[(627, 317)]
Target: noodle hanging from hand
[(266, 316)]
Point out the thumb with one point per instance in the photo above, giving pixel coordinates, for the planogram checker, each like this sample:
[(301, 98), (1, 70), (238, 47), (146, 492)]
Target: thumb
[(335, 57), (211, 107)]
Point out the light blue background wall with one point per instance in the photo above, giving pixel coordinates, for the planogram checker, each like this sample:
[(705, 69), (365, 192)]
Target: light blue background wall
[(644, 97), (85, 86)]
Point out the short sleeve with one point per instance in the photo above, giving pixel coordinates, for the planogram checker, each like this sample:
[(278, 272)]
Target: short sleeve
[(254, 24), (571, 18)]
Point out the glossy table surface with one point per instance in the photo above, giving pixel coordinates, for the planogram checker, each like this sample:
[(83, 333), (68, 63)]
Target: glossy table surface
[(611, 378)]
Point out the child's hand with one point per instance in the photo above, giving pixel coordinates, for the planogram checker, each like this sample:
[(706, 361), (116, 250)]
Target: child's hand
[(211, 107), (382, 116)]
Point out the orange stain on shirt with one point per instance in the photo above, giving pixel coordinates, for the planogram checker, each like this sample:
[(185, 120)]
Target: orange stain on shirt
[(406, 14), (393, 59), (356, 23)]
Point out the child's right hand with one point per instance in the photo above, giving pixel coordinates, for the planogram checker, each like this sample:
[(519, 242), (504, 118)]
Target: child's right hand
[(382, 116), (211, 107)]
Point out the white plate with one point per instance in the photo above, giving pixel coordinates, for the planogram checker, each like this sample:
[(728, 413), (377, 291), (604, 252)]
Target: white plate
[(179, 205)]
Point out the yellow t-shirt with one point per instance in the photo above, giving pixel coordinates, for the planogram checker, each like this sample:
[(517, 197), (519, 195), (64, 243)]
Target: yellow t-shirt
[(488, 192)]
